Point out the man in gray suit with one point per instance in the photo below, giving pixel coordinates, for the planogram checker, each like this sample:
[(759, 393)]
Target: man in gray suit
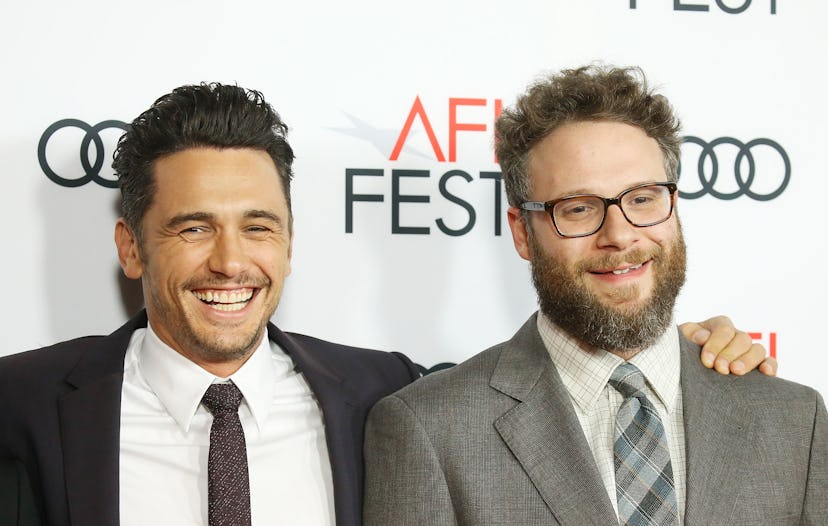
[(598, 410)]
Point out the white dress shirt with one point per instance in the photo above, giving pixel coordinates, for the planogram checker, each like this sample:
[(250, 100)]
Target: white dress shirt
[(585, 376), (165, 438)]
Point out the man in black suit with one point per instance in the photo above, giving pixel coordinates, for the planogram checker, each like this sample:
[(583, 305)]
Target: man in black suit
[(205, 180), (111, 429)]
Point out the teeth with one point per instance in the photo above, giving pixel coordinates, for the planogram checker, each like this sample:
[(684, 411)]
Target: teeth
[(228, 307), (233, 300), (624, 271)]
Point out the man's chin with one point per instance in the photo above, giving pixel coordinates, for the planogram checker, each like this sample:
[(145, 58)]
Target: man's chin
[(626, 303), (227, 351), (230, 340), (636, 292)]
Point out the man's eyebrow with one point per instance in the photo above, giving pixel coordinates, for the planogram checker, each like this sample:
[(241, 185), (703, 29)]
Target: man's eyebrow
[(263, 214), (208, 217), (187, 217)]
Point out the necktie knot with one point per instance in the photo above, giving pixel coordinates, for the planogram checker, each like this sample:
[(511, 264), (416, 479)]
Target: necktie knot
[(628, 380), (222, 399)]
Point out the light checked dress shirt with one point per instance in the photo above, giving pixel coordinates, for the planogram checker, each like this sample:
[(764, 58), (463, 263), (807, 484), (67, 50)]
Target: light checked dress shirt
[(585, 376), (165, 438)]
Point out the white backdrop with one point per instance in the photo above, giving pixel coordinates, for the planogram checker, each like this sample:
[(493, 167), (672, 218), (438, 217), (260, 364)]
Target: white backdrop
[(345, 76)]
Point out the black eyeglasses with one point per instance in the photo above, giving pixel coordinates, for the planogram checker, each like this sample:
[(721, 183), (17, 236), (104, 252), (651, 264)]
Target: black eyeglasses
[(582, 215)]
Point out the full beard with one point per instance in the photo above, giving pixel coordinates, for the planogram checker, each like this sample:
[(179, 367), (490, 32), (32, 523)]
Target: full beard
[(565, 299)]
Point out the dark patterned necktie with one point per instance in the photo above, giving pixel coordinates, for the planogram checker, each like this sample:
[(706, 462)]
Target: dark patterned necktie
[(644, 484), (228, 482)]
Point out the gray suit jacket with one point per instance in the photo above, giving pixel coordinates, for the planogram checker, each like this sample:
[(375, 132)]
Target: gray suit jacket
[(495, 441)]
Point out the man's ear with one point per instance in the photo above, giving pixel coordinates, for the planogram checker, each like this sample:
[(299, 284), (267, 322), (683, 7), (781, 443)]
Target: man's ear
[(128, 252), (520, 232)]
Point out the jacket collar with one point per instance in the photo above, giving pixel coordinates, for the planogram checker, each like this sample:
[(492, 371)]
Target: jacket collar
[(90, 426), (544, 434), (344, 417)]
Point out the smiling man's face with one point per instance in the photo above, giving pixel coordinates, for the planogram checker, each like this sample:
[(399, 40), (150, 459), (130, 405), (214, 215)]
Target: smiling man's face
[(215, 252), (614, 289)]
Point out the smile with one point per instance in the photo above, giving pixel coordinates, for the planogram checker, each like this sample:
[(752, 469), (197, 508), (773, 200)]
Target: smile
[(625, 270), (620, 270), (225, 300)]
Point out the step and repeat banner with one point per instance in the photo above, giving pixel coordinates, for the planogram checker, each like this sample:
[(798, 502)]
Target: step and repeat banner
[(401, 241)]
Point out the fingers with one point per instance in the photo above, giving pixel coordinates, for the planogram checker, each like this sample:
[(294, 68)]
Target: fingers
[(714, 335), (747, 361), (727, 349), (695, 332), (769, 366)]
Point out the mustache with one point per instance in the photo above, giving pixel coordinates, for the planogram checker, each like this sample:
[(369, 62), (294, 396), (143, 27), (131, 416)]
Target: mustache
[(636, 255), (214, 282)]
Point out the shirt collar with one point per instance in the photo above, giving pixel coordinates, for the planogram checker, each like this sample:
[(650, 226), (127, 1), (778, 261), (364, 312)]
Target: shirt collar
[(585, 374), (180, 384), (661, 366)]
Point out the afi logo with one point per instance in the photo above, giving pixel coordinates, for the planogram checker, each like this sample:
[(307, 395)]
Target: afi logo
[(686, 5), (418, 112), (451, 201), (770, 342)]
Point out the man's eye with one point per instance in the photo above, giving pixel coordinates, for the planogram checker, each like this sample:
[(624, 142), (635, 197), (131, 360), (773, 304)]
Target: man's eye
[(574, 210), (258, 231), (195, 233)]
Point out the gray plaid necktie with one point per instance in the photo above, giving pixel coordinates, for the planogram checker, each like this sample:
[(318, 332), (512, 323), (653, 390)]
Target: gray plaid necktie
[(228, 481), (643, 474)]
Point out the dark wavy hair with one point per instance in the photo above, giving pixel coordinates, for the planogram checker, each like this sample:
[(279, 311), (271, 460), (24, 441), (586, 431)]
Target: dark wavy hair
[(205, 115), (589, 93)]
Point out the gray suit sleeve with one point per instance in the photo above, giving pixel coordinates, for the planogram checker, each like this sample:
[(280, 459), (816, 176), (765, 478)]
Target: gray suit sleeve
[(815, 509), (404, 482)]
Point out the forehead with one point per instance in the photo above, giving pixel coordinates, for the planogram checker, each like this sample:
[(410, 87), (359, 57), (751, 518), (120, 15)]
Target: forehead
[(601, 157), (217, 178)]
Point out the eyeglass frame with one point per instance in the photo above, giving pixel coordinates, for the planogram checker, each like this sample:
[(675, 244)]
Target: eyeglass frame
[(548, 206)]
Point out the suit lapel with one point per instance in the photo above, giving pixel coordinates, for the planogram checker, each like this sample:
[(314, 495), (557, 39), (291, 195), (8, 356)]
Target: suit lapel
[(344, 419), (544, 434), (716, 422), (90, 428)]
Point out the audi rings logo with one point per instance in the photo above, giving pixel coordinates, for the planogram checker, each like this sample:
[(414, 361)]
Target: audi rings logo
[(91, 159), (728, 168)]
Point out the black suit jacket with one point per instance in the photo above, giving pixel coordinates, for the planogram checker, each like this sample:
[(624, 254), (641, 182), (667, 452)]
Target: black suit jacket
[(16, 502), (60, 414)]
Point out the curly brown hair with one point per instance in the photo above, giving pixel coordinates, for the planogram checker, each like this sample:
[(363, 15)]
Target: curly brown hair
[(589, 93)]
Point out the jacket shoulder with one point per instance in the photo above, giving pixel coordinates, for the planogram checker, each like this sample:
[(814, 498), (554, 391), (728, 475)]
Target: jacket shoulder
[(100, 351), (59, 356), (455, 383), (374, 372)]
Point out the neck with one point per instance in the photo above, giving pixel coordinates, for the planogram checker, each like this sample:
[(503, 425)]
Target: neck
[(222, 369), (624, 354)]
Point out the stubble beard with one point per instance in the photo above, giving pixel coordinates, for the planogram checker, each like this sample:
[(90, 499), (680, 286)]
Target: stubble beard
[(207, 346), (565, 299), (218, 350)]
